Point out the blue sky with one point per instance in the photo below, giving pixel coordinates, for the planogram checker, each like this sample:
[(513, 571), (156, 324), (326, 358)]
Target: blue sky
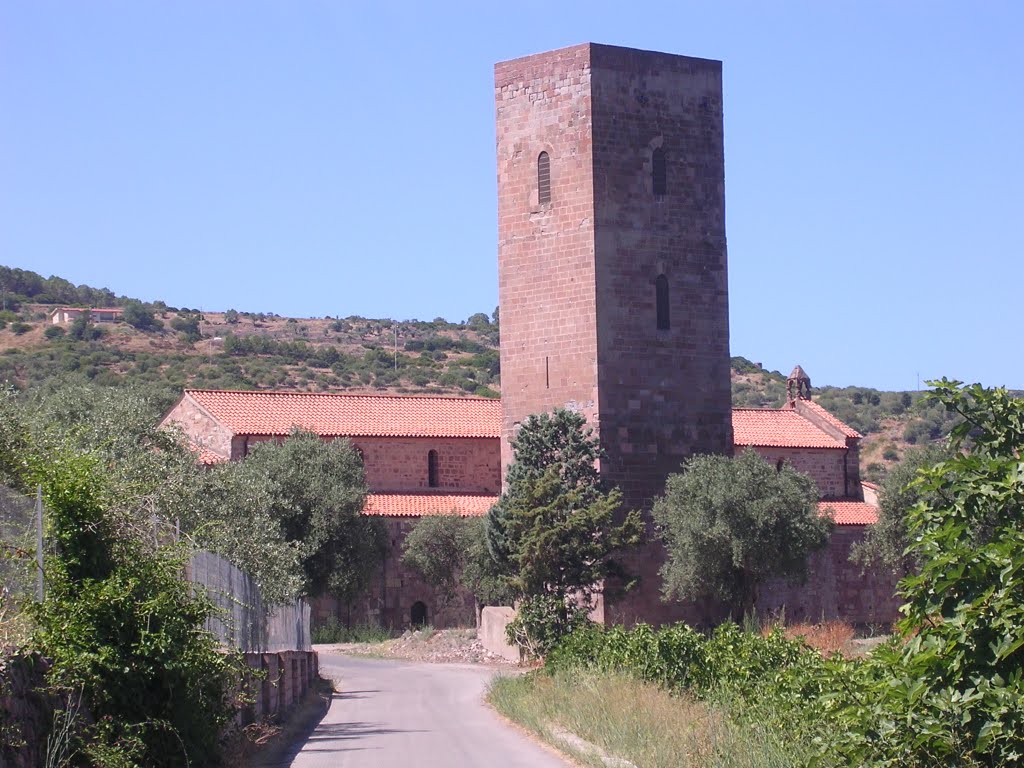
[(328, 158)]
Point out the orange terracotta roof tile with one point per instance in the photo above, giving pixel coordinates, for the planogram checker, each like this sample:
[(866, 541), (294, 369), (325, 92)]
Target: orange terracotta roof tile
[(849, 511), (846, 429), (420, 504), (204, 455), (330, 414), (778, 428), (208, 457)]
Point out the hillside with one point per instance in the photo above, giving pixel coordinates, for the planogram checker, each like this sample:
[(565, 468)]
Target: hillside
[(166, 349)]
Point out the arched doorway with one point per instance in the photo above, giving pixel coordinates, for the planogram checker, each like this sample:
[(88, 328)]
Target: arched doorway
[(418, 613)]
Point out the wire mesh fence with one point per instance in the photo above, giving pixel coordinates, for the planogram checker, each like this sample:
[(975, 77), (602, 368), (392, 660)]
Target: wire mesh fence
[(242, 621), (21, 575)]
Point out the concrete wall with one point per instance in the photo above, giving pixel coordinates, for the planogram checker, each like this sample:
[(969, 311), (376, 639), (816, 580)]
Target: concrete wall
[(491, 633), (281, 681), (26, 709)]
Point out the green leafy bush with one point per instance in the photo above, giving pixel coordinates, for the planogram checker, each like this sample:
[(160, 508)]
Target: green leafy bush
[(124, 628), (141, 317), (542, 621)]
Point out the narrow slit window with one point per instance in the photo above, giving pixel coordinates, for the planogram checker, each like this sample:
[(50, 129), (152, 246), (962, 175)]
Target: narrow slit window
[(659, 173), (661, 302), (432, 469), (543, 178)]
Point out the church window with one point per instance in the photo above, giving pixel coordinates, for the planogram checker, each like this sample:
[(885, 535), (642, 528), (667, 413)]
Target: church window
[(543, 178), (659, 173), (661, 302), (432, 469)]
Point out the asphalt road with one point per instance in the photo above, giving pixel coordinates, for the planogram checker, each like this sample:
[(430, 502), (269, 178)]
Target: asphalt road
[(392, 714)]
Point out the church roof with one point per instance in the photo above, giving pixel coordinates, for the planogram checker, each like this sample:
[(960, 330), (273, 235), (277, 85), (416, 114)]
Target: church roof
[(420, 504), (844, 511), (779, 428), (846, 429), (850, 511), (330, 414)]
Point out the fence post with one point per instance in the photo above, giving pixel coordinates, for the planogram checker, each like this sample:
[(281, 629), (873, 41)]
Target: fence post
[(39, 544)]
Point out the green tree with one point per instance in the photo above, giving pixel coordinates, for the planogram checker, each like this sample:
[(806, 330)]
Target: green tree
[(141, 317), (437, 547), (148, 471), (560, 439), (450, 552), (188, 326), (231, 316), (318, 493), (885, 543), (731, 523), (82, 328), (554, 532), (952, 693), (478, 321), (121, 627)]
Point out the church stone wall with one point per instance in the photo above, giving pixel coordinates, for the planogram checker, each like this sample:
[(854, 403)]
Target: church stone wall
[(399, 464), (665, 394), (199, 426), (470, 465), (826, 466), (835, 589)]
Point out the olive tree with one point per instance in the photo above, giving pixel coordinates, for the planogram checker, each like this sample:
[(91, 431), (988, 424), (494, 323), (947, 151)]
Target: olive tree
[(729, 524), (885, 543), (317, 497)]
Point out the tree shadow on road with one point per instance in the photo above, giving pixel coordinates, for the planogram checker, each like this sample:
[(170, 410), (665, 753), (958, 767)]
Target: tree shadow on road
[(317, 736)]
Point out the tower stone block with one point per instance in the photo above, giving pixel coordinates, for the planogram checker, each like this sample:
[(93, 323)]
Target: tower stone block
[(614, 293)]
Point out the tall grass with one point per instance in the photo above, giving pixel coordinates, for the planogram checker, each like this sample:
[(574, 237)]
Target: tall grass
[(634, 721), (333, 631)]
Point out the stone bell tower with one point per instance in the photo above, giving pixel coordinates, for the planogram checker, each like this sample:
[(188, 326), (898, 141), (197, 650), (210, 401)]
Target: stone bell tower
[(612, 262)]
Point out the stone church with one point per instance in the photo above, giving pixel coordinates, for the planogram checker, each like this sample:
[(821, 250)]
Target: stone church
[(613, 289)]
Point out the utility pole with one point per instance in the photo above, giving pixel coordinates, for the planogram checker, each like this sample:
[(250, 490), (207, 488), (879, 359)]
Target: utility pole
[(396, 348), (40, 584)]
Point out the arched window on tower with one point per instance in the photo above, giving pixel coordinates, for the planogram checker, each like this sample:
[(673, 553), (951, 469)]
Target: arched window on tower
[(659, 172), (432, 469), (543, 178), (661, 302)]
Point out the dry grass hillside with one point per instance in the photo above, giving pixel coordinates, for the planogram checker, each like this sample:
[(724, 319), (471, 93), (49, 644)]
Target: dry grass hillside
[(176, 348)]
